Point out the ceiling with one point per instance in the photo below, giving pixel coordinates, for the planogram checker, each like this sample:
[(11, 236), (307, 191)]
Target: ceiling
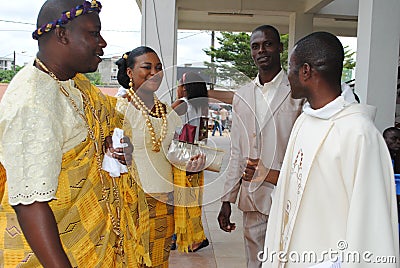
[(336, 16)]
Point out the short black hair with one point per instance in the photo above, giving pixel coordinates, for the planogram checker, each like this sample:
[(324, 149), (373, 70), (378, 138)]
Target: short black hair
[(324, 52), (196, 89), (264, 28), (53, 9), (390, 130), (195, 86)]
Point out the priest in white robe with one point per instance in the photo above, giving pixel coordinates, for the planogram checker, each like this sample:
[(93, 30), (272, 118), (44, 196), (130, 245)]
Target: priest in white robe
[(335, 202)]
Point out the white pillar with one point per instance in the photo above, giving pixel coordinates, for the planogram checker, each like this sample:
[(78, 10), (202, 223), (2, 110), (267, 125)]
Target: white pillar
[(300, 25), (377, 57), (159, 31)]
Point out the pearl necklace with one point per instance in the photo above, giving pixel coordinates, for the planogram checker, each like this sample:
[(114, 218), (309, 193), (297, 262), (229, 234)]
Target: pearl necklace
[(137, 101), (115, 220)]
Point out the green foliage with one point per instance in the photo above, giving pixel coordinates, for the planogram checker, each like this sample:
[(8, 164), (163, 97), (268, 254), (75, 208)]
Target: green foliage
[(348, 64), (285, 53), (95, 78), (7, 75), (233, 53), (233, 57)]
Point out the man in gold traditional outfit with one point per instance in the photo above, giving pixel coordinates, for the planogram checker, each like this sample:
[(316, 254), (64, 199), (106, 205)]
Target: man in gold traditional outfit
[(59, 209)]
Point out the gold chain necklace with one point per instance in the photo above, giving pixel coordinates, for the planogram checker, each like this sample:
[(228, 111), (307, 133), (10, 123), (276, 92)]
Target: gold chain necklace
[(145, 112), (105, 190)]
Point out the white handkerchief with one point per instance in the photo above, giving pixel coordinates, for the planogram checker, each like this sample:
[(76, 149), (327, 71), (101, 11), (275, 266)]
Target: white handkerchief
[(110, 164)]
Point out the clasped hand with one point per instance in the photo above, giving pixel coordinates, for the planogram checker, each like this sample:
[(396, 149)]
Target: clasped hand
[(196, 163), (250, 170), (122, 154)]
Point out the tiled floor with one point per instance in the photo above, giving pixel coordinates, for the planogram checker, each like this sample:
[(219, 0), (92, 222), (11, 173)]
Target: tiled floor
[(225, 249)]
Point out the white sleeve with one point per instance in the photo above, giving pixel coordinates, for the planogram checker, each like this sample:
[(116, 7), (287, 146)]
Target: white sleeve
[(372, 217), (32, 141), (233, 174)]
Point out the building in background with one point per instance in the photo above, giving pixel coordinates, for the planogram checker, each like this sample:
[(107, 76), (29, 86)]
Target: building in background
[(202, 71), (6, 63), (108, 71)]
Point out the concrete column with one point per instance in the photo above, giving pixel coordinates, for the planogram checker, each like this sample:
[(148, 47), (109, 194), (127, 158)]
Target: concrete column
[(300, 25), (377, 57), (159, 31)]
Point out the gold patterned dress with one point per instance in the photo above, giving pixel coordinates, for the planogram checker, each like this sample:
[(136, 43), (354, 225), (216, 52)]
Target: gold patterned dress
[(156, 177)]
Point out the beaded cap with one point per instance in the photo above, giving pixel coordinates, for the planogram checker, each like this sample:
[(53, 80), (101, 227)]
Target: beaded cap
[(86, 8)]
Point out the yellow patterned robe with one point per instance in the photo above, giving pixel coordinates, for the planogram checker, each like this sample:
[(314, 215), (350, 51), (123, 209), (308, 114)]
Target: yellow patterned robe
[(188, 194), (85, 224)]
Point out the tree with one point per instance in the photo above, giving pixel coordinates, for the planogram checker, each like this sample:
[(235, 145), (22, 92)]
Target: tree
[(233, 57), (233, 61), (348, 64), (234, 51), (285, 53), (95, 78), (7, 75)]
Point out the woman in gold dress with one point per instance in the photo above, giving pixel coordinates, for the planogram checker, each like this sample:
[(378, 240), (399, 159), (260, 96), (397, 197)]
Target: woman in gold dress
[(152, 125)]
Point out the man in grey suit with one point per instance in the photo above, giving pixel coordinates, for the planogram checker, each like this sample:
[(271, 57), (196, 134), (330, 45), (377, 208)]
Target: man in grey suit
[(263, 116)]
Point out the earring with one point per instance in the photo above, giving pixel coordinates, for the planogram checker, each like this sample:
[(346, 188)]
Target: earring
[(131, 83)]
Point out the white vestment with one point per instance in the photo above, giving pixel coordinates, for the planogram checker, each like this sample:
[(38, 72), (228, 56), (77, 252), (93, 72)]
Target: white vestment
[(335, 194)]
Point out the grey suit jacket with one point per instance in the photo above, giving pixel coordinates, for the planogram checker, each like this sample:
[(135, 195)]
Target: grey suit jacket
[(266, 140)]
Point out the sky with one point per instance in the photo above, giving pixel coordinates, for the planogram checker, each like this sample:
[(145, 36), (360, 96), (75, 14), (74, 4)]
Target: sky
[(121, 26)]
